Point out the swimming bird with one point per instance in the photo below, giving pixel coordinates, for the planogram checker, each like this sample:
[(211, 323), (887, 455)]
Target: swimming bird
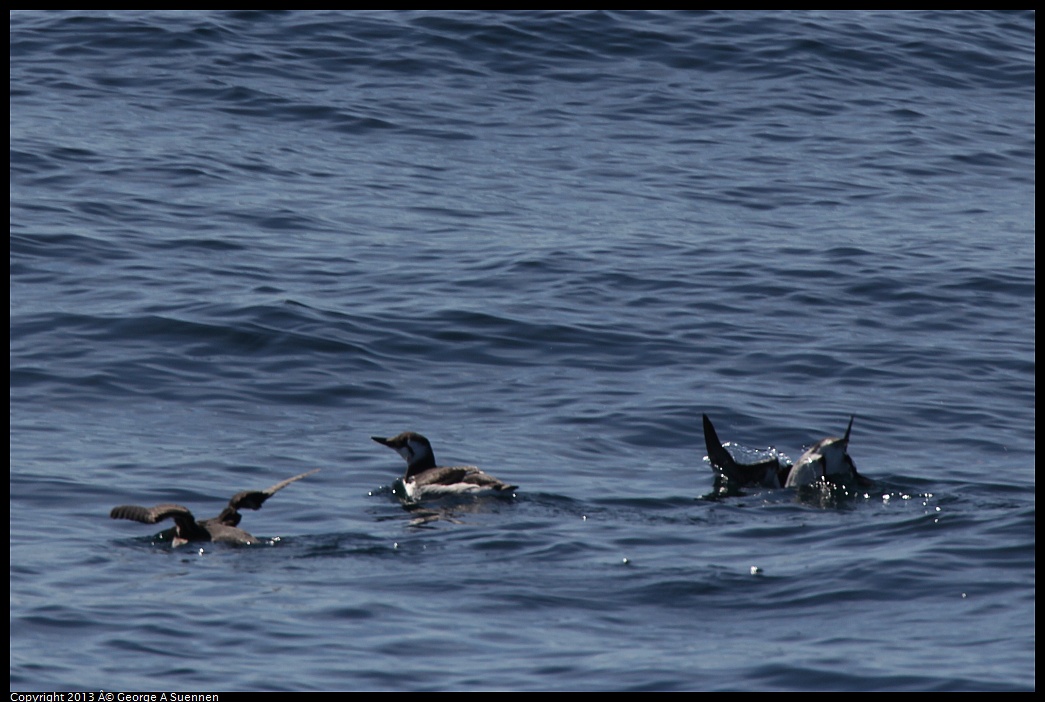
[(220, 528), (828, 461), (423, 478)]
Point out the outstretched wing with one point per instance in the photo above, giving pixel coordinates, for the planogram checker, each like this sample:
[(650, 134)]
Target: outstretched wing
[(253, 499), (150, 515), (187, 528)]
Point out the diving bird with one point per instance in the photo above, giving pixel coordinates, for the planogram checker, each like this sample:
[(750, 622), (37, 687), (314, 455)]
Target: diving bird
[(827, 461)]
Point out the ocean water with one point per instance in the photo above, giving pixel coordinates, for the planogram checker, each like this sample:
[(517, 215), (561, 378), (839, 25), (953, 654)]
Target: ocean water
[(241, 243)]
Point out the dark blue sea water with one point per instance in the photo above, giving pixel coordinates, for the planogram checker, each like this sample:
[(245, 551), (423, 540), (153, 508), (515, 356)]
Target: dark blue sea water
[(244, 242)]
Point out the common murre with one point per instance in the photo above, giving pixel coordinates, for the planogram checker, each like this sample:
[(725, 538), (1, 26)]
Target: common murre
[(220, 528), (423, 478), (828, 461)]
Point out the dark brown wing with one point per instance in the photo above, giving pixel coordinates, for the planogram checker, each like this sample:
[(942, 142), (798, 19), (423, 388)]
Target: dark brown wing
[(150, 515), (253, 499), (186, 527), (461, 475), (488, 481)]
